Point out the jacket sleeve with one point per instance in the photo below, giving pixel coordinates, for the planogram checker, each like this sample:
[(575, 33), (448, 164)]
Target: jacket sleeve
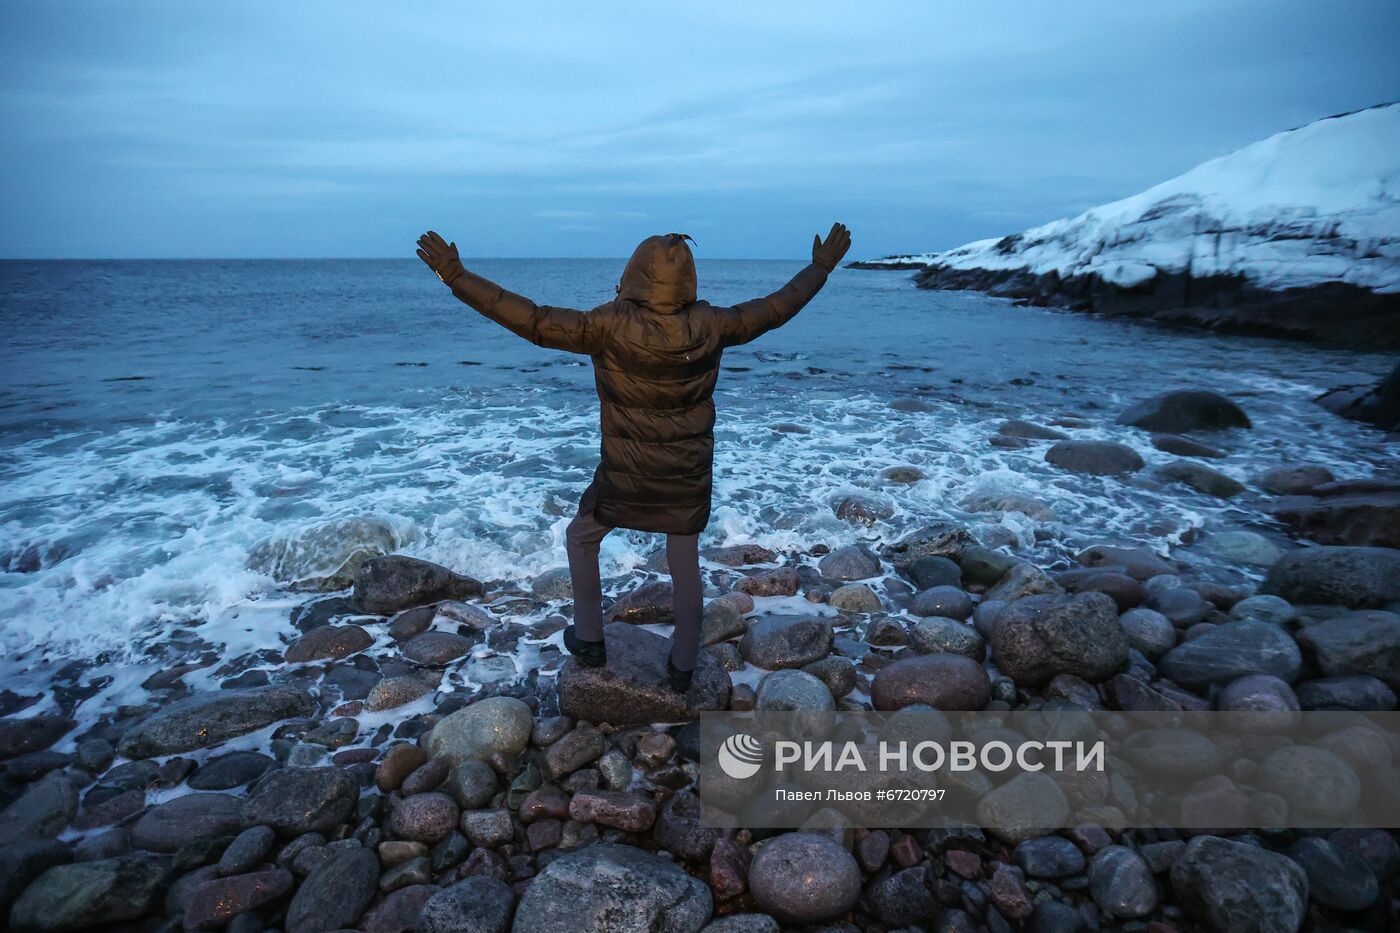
[(542, 325), (744, 322)]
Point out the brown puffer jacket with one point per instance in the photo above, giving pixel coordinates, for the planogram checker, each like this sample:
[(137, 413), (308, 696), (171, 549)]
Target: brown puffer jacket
[(656, 353)]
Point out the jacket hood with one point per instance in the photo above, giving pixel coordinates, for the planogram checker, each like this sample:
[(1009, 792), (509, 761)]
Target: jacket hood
[(660, 275)]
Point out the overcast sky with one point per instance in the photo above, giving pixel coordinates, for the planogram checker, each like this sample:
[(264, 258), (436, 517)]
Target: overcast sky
[(541, 129)]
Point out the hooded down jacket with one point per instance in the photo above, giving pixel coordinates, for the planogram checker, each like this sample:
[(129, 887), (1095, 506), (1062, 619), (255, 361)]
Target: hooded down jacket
[(656, 353)]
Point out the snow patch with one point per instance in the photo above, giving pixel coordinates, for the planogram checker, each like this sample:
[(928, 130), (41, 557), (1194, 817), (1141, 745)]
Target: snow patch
[(1305, 207)]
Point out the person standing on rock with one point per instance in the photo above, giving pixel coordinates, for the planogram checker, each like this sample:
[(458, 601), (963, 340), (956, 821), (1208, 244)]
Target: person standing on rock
[(656, 353)]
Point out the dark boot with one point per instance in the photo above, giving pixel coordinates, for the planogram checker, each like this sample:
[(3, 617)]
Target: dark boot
[(680, 680), (589, 653)]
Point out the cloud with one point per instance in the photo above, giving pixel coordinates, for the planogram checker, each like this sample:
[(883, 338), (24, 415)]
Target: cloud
[(581, 128)]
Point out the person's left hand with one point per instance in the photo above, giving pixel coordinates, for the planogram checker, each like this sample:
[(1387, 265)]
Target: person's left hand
[(829, 252), (440, 255)]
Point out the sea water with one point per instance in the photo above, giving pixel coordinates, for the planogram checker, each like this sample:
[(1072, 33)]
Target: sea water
[(165, 426)]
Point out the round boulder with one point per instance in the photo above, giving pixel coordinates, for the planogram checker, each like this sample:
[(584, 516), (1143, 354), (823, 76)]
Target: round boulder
[(429, 817), (786, 641), (793, 691), (294, 801), (947, 601), (1230, 651), (1233, 887), (851, 562), (1099, 458), (495, 725), (937, 635), (1037, 637), (942, 681), (804, 878), (1185, 410)]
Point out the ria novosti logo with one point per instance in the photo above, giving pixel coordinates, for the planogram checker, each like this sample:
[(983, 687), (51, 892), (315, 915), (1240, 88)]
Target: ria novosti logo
[(740, 756)]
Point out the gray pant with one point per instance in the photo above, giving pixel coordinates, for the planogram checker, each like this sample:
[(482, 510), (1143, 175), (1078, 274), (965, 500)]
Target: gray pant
[(582, 541)]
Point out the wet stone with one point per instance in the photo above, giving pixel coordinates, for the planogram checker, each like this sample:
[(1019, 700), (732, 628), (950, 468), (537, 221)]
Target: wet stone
[(195, 817), (617, 887), (208, 719), (804, 878), (781, 641), (294, 801), (426, 777), (903, 899), (393, 692), (1121, 883), (414, 871), (780, 582), (628, 812), (436, 649), (479, 904), (411, 622), (481, 730), (336, 893), (397, 851), (852, 562), (580, 747), (487, 827), (948, 602), (938, 635), (1227, 886), (85, 895), (1049, 857), (248, 850), (472, 784), (42, 811), (633, 688), (942, 681), (31, 734), (1337, 878), (648, 604), (388, 584), (428, 817), (328, 641), (217, 901)]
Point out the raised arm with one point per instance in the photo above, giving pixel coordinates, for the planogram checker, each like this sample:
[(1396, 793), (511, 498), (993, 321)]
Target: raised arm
[(744, 322), (545, 326)]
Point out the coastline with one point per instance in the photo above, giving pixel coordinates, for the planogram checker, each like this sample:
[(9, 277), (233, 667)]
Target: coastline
[(1333, 314), (415, 749)]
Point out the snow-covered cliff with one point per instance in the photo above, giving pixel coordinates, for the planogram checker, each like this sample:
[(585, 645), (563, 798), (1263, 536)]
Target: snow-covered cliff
[(1298, 234)]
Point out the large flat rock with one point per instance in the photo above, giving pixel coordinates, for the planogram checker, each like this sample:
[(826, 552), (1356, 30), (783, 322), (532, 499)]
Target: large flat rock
[(208, 719), (633, 689)]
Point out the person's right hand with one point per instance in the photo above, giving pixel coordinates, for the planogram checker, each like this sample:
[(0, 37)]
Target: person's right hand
[(827, 253)]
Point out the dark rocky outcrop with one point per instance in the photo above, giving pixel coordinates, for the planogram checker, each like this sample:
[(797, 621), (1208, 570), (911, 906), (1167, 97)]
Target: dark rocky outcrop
[(1331, 313), (1377, 405), (1363, 513), (1359, 577)]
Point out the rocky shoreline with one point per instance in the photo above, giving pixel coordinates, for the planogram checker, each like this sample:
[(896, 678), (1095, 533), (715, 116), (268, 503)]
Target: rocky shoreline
[(1334, 314), (392, 769)]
